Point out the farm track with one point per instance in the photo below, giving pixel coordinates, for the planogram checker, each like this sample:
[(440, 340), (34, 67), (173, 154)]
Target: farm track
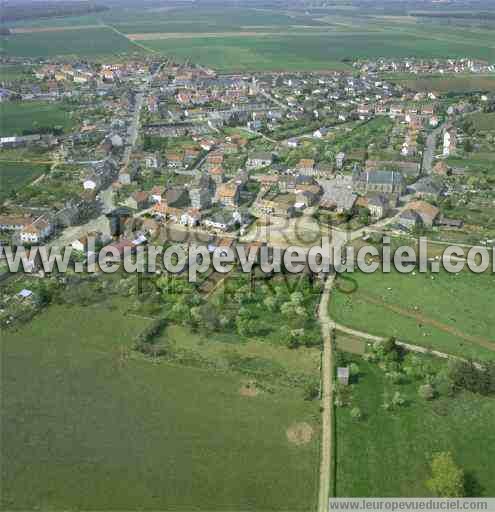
[(326, 397)]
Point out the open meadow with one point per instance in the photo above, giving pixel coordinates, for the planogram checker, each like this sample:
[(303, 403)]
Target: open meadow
[(388, 452), (447, 312), (14, 176), (87, 423), (446, 84), (80, 42), (238, 39), (16, 118)]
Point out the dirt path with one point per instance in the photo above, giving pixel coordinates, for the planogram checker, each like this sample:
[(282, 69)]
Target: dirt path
[(326, 447)]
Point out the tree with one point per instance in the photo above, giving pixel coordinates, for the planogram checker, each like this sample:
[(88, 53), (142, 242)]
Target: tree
[(447, 479), (311, 390), (389, 345)]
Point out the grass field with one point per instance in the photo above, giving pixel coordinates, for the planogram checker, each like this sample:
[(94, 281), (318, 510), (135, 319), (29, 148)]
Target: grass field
[(388, 453), (14, 72), (484, 122), (445, 84), (306, 51), (450, 313), (17, 117), (86, 42), (279, 40), (83, 428), (14, 176)]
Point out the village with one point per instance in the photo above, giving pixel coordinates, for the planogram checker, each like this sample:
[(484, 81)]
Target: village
[(180, 146)]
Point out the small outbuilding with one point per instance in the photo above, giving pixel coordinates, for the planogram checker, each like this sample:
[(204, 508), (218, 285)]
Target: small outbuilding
[(343, 375)]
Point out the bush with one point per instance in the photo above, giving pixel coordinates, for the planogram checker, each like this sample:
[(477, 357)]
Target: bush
[(311, 390), (447, 479)]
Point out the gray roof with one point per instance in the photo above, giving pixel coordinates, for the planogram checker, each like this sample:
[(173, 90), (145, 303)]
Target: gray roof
[(384, 177)]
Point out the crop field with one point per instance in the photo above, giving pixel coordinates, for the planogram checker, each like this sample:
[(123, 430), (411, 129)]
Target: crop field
[(30, 116), (446, 312), (305, 51), (387, 453), (15, 176), (14, 72), (484, 122), (87, 42), (454, 84), (263, 40), (89, 424)]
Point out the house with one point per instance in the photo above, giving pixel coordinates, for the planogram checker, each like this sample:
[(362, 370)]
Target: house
[(427, 213), (25, 294), (14, 222), (259, 160), (36, 232), (125, 178), (320, 133), (293, 143), (216, 174), (191, 217), (201, 192), (214, 160), (409, 219), (287, 184), (120, 247), (174, 160), (338, 194), (156, 194), (228, 194), (449, 142), (426, 188), (306, 167), (224, 220), (378, 205), (139, 200), (152, 161), (339, 160)]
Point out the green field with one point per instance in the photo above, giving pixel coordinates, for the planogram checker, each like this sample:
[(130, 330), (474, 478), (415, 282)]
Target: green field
[(15, 176), (455, 84), (387, 453), (484, 122), (85, 429), (86, 42), (306, 51), (448, 312), (14, 72), (279, 40), (15, 118)]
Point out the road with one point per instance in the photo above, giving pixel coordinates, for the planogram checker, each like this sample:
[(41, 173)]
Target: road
[(106, 196), (327, 365), (339, 239), (429, 152)]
